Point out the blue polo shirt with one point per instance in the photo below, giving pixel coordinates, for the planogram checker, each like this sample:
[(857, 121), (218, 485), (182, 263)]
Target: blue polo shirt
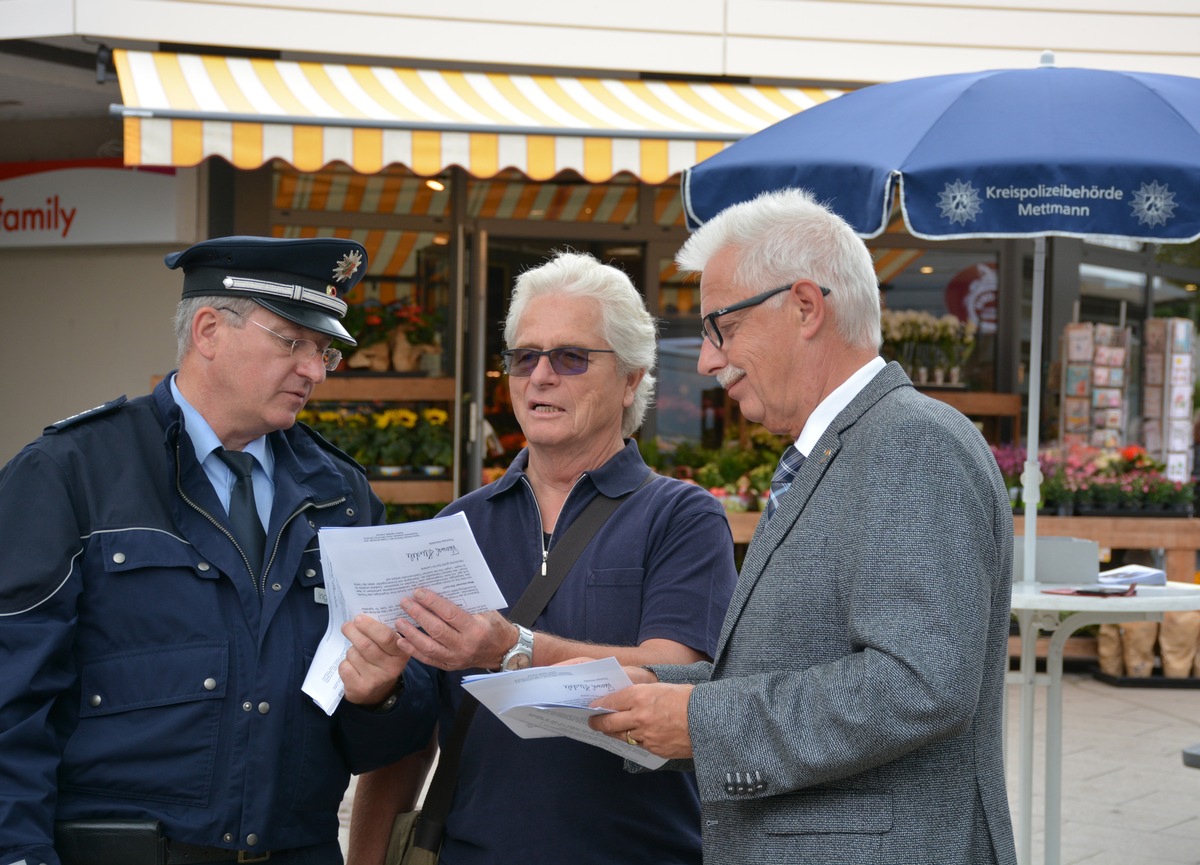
[(661, 567)]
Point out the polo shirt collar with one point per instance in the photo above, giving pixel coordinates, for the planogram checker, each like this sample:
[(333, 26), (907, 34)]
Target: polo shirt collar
[(620, 475)]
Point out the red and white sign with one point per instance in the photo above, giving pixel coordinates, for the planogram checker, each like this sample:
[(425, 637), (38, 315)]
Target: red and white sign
[(93, 202), (971, 295)]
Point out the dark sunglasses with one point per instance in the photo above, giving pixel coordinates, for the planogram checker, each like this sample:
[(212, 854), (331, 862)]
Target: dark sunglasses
[(568, 360), (708, 324)]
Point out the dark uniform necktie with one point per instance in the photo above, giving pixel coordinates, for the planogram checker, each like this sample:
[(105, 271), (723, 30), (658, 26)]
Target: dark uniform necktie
[(789, 466), (243, 512)]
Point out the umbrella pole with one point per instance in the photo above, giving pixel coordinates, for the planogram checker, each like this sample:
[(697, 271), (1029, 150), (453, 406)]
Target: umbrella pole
[(1031, 477)]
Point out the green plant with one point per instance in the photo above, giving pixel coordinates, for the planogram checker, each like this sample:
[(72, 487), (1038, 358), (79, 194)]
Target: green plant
[(760, 478), (419, 326), (347, 428), (371, 322), (367, 322), (434, 440), (709, 476)]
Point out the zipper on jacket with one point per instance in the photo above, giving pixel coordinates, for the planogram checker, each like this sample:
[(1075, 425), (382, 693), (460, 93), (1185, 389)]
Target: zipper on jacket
[(260, 584)]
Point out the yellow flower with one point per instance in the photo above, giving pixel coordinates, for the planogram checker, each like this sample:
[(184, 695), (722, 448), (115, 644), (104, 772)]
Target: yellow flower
[(435, 416), (407, 418)]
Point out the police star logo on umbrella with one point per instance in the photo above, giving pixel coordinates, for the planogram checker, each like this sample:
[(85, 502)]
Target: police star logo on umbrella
[(960, 202)]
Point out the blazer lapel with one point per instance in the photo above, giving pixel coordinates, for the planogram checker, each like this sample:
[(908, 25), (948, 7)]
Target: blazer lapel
[(768, 535)]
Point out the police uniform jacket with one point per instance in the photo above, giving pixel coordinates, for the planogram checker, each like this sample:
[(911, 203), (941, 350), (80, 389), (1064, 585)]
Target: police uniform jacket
[(148, 674)]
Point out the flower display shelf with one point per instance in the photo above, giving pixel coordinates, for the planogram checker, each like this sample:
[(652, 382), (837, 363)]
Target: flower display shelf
[(385, 387)]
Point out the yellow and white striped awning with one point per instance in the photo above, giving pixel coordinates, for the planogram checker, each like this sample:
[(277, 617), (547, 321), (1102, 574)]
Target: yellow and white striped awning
[(180, 109)]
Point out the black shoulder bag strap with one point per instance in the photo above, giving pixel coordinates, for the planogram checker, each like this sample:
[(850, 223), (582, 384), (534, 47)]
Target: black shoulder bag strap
[(428, 832)]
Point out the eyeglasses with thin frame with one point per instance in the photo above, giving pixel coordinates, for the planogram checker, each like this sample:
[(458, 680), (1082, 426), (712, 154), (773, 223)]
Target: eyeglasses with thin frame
[(567, 360), (708, 324), (304, 348)]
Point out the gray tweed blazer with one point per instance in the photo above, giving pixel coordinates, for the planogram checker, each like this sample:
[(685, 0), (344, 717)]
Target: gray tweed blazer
[(852, 713)]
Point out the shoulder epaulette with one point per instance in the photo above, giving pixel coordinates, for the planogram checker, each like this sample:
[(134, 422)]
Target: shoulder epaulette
[(98, 411), (325, 444)]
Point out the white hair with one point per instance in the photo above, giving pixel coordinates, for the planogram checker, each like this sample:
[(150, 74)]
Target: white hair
[(624, 322), (780, 237)]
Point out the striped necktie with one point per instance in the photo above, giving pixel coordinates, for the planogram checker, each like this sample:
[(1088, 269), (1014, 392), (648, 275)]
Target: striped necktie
[(789, 466)]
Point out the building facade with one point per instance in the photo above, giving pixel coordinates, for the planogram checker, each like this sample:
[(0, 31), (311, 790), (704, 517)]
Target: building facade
[(464, 144)]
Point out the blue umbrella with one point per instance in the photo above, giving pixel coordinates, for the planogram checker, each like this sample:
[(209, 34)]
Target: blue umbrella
[(1001, 153)]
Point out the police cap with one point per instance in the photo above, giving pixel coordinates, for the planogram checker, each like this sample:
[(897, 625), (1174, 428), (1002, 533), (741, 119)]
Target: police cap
[(301, 279)]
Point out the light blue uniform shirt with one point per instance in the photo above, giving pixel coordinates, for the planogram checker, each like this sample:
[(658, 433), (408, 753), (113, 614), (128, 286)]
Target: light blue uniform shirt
[(205, 442)]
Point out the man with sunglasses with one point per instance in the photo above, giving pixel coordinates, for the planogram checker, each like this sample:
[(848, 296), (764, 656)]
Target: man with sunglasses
[(161, 594), (650, 587), (852, 711)]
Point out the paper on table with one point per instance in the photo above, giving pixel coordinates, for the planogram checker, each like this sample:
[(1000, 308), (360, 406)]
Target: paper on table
[(1129, 574), (554, 701), (369, 569)]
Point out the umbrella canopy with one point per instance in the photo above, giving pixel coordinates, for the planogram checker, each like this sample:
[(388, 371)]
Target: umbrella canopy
[(1001, 153)]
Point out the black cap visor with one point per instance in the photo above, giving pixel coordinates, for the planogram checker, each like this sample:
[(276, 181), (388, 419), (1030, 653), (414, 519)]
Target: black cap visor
[(309, 317)]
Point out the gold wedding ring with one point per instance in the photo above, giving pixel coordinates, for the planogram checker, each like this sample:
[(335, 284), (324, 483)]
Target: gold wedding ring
[(629, 738)]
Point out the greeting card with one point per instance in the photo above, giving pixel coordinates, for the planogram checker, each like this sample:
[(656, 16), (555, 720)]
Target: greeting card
[(1079, 342), (1077, 379)]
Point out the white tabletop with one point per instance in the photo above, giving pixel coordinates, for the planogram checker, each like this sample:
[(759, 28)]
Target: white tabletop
[(1172, 596)]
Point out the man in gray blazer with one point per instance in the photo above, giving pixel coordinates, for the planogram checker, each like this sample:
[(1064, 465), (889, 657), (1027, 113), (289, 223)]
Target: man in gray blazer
[(852, 713)]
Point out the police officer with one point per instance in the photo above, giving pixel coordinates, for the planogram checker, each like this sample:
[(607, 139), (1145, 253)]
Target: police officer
[(161, 593)]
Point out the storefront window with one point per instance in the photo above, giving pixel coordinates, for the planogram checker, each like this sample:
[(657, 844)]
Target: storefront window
[(938, 287), (690, 407)]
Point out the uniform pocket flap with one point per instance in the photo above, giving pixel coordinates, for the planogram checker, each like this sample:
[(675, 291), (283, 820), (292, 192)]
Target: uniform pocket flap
[(157, 676), (831, 811), (131, 550)]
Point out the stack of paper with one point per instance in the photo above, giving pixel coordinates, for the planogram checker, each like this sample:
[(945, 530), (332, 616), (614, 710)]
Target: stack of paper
[(1133, 574), (554, 701), (370, 569)]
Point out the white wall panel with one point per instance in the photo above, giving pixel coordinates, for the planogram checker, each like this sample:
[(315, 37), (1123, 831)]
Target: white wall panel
[(686, 16), (31, 19), (847, 40), (624, 44), (860, 25), (839, 62)]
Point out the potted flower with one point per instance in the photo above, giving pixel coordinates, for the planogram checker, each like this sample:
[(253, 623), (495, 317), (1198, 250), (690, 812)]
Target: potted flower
[(433, 449), (419, 326), (1168, 496), (1107, 493), (345, 428), (417, 335), (393, 434)]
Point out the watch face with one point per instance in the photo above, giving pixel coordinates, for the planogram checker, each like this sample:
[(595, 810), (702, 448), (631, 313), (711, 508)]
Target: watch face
[(518, 661)]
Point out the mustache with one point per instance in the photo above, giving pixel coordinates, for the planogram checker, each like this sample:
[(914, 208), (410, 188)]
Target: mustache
[(729, 375)]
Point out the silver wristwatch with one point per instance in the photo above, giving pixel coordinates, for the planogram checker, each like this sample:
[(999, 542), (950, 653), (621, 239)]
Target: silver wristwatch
[(520, 656)]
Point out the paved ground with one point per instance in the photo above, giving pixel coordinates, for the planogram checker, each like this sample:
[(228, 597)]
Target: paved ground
[(1127, 797)]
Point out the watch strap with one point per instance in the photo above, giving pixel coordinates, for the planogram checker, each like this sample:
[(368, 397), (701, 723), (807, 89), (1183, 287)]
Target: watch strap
[(523, 646)]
